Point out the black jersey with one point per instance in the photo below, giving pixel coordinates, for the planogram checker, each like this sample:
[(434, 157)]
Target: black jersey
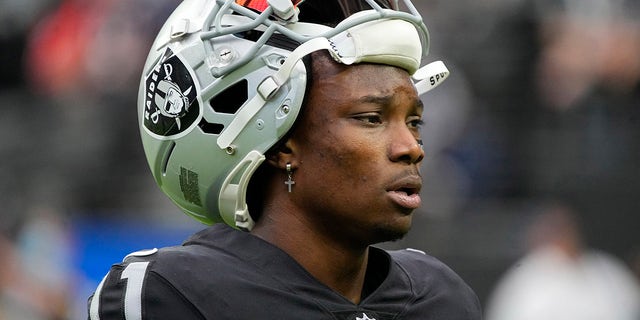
[(222, 273)]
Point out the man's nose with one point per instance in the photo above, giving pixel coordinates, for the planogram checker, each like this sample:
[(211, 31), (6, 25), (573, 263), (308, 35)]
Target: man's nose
[(405, 147)]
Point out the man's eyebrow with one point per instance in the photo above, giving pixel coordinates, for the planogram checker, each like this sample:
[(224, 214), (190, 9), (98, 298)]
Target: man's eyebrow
[(387, 101), (380, 100)]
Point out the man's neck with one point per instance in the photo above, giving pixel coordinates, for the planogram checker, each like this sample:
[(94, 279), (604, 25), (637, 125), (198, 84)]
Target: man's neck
[(340, 267)]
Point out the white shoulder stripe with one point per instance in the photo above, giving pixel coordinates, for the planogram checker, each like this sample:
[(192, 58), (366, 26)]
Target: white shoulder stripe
[(94, 309)]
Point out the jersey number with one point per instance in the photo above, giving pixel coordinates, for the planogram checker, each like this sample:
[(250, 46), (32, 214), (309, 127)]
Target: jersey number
[(134, 274)]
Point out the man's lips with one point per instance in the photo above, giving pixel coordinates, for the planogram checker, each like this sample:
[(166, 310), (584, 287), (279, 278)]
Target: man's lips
[(405, 192)]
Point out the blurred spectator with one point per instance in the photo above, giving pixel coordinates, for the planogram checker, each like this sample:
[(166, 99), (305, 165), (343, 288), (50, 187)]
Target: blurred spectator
[(93, 48), (85, 60), (17, 17), (561, 279), (582, 140), (587, 45), (36, 278)]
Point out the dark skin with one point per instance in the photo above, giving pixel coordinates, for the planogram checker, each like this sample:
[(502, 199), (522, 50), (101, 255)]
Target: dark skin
[(355, 161)]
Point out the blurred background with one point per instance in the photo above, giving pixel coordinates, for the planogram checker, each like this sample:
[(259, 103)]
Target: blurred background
[(532, 148)]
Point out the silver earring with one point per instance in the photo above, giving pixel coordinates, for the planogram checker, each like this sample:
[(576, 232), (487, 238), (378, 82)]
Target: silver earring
[(289, 181)]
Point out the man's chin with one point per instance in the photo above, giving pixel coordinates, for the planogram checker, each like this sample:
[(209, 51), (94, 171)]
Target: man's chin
[(391, 233)]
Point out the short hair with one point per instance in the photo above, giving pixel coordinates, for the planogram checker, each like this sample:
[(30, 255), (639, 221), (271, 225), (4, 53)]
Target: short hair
[(331, 13)]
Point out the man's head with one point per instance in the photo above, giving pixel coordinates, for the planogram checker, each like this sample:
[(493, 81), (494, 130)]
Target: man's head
[(354, 152), (242, 79)]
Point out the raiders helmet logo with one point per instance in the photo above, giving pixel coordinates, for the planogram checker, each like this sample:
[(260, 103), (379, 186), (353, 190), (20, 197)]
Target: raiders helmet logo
[(171, 105)]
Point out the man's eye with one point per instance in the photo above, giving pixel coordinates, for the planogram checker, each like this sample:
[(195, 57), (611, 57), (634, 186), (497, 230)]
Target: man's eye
[(369, 118), (417, 123)]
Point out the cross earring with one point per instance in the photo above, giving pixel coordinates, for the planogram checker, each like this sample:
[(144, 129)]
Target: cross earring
[(289, 181)]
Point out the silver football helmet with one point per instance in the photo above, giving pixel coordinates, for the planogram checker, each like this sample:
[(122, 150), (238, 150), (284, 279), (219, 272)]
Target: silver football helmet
[(223, 83)]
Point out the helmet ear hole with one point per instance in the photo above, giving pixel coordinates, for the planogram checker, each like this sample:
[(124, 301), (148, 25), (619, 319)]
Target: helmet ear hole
[(231, 99)]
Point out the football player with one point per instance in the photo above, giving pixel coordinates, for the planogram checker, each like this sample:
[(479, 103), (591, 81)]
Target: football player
[(293, 128)]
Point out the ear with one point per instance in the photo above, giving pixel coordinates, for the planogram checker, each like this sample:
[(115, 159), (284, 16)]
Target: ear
[(283, 153)]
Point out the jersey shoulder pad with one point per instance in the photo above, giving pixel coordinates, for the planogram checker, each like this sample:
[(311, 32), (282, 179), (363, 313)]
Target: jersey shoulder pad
[(133, 290)]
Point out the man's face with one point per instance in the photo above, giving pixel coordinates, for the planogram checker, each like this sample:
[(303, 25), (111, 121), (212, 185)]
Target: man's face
[(358, 153)]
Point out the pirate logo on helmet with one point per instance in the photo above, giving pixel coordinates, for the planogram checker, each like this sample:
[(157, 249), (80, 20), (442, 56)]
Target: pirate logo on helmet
[(171, 105)]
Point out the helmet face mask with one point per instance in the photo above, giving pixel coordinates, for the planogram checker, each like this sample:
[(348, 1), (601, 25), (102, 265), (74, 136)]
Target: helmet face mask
[(223, 84)]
